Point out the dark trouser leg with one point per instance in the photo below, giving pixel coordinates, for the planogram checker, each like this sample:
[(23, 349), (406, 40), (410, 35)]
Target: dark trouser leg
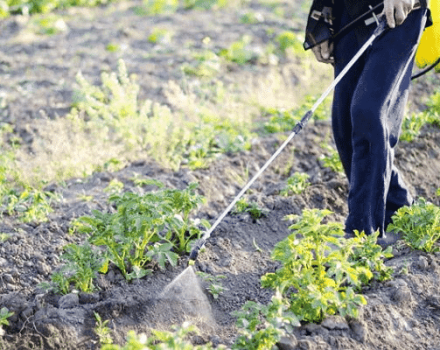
[(367, 116)]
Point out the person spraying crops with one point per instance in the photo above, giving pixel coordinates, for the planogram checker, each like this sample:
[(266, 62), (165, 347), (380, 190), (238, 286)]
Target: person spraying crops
[(368, 104)]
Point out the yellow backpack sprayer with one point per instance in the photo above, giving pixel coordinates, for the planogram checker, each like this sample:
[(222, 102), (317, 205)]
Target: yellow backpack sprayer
[(428, 52)]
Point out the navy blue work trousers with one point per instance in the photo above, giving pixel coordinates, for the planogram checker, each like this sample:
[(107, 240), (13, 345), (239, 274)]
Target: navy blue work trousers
[(367, 113)]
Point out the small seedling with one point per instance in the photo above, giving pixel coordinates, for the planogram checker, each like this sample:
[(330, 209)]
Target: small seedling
[(82, 264), (4, 315), (256, 211), (112, 47), (161, 36), (215, 286), (102, 331), (240, 52), (296, 184), (289, 41), (257, 248), (332, 159), (4, 237), (115, 186)]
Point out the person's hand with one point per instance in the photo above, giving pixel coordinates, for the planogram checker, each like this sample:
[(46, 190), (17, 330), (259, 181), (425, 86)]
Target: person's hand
[(396, 11), (324, 52)]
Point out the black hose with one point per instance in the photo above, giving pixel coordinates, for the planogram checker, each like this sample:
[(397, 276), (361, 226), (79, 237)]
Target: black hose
[(426, 70)]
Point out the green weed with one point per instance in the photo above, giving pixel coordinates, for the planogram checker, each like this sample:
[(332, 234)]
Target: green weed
[(296, 184), (207, 64), (114, 186), (49, 24), (240, 52), (102, 331), (243, 206), (215, 287), (160, 36), (289, 41), (285, 120), (411, 126), (251, 18), (8, 7), (82, 264), (4, 315), (331, 159), (4, 237), (420, 225), (112, 47), (156, 7)]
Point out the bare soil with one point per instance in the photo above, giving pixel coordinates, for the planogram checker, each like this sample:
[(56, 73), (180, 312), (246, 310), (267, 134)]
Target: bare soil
[(38, 74)]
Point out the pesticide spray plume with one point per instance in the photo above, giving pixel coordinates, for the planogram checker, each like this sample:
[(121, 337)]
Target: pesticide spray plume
[(185, 297)]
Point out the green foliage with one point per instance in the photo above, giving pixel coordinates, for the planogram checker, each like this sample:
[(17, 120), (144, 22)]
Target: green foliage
[(215, 286), (324, 268), (240, 52), (4, 237), (243, 206), (82, 264), (112, 47), (411, 126), (111, 115), (296, 184), (4, 315), (8, 7), (161, 340), (251, 18), (49, 24), (156, 7), (210, 138), (102, 331), (205, 4), (331, 159), (285, 120), (206, 64), (31, 205), (27, 203), (262, 326), (114, 186), (145, 227), (368, 254), (420, 225), (159, 35), (289, 41)]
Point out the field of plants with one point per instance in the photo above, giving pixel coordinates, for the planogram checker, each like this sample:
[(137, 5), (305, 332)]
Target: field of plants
[(127, 127)]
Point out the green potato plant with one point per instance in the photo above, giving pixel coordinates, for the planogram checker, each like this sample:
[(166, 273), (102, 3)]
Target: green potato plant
[(419, 224), (323, 267), (262, 326), (153, 226)]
